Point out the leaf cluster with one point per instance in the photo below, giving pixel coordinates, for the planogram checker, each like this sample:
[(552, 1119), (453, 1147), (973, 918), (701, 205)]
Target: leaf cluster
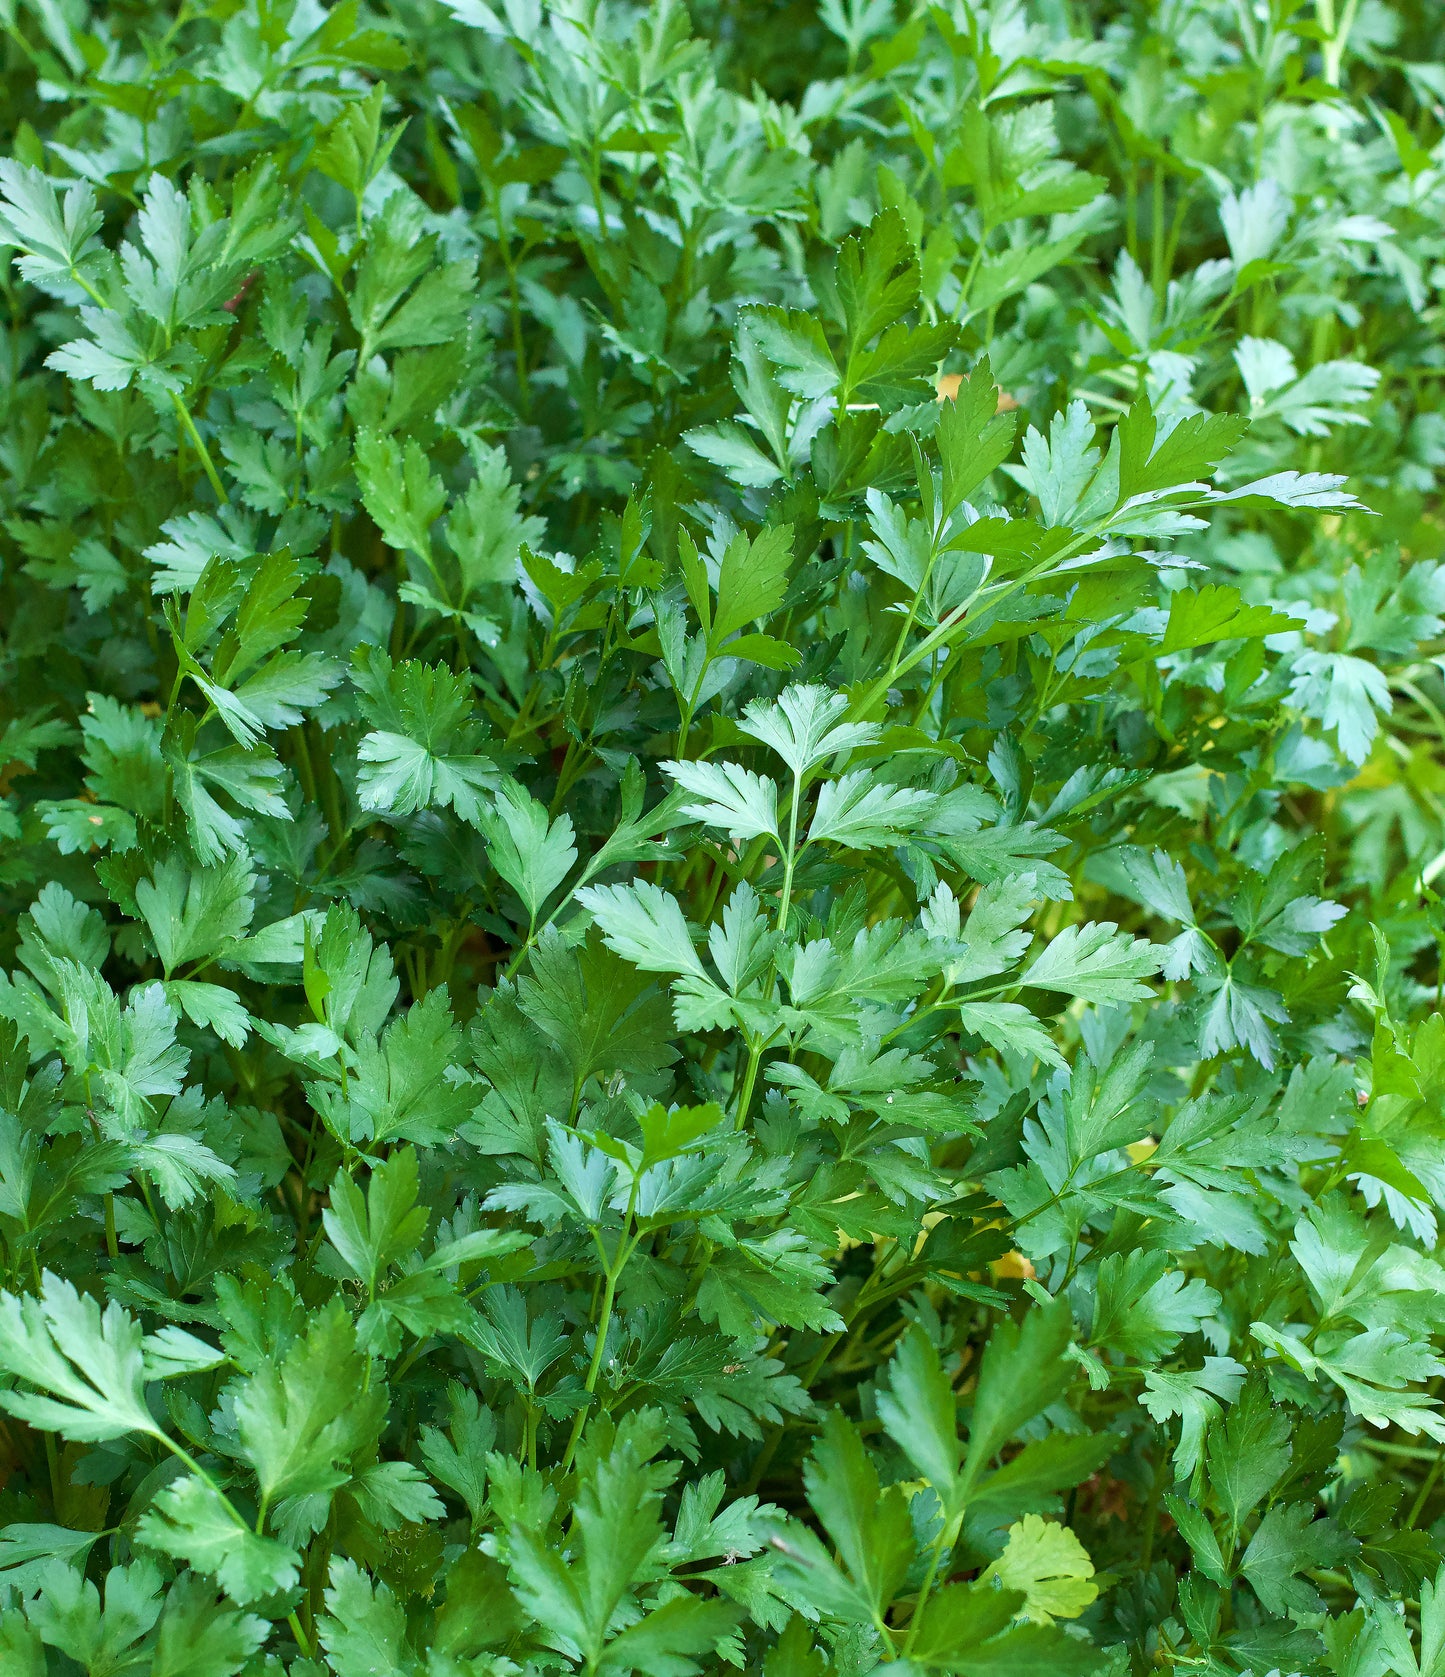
[(720, 815)]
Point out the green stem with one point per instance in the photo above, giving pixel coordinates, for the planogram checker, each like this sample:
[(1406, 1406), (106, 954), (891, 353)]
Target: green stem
[(682, 734), (52, 1462), (609, 1293), (750, 1078), (1422, 1496), (939, 1544), (1151, 1516), (990, 593), (604, 1322), (790, 860), (1333, 54), (88, 289), (188, 425), (302, 1642)]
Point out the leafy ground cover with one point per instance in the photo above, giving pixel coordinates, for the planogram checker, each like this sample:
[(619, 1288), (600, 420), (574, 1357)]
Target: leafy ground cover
[(721, 809)]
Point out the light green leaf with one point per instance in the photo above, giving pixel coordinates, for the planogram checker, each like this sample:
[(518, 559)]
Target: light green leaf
[(645, 925), (89, 1369), (533, 854), (740, 803), (1096, 962), (193, 1522), (1049, 1567)]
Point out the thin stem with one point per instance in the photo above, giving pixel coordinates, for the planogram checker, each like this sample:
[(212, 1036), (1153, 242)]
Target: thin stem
[(790, 860), (990, 592), (88, 289), (935, 1557), (750, 1078), (52, 1462), (1427, 1485), (625, 1248), (609, 1293), (682, 734), (1338, 38), (188, 425), (302, 1641)]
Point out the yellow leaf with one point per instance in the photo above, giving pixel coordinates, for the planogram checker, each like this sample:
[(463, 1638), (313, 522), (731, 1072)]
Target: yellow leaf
[(1052, 1569)]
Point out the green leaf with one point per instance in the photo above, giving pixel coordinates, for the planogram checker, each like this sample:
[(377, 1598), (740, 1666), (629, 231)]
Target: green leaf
[(956, 1619), (974, 438), (644, 925), (877, 277), (193, 1522), (740, 803), (354, 149), (794, 342), (1060, 470), (373, 1234), (752, 579), (199, 1637), (90, 1368), (401, 1090), (1190, 450), (1096, 962), (211, 1006), (296, 1416), (364, 1626), (400, 491), (918, 1409), (1198, 617), (533, 854), (1142, 1309), (1028, 1482), (670, 1640), (804, 726), (68, 1614), (1197, 1396), (614, 1529), (457, 1457), (1248, 1455), (777, 1281), (1326, 395), (731, 448), (869, 1526), (858, 812), (1289, 1541), (1010, 1028), (423, 750), (600, 1013), (194, 912), (54, 241), (1024, 1370), (1196, 1531)]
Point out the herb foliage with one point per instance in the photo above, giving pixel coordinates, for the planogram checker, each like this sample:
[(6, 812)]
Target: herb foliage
[(721, 811)]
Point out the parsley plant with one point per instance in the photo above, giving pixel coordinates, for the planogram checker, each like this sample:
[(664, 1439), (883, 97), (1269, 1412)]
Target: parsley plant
[(720, 812)]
